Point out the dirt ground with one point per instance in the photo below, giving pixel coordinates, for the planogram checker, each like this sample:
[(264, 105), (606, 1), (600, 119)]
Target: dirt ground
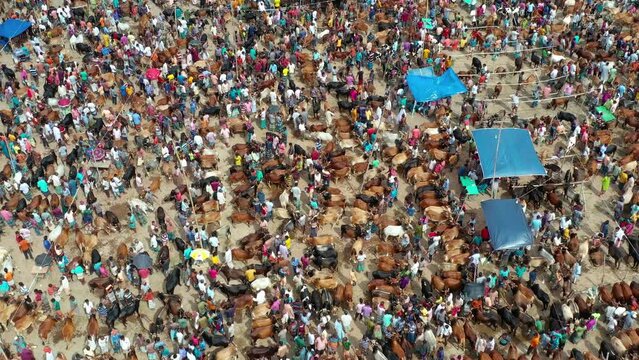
[(598, 208)]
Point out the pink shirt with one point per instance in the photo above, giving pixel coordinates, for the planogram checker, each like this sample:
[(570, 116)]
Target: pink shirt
[(320, 343)]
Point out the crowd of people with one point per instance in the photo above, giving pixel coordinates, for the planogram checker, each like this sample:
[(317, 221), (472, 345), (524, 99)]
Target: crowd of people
[(120, 101)]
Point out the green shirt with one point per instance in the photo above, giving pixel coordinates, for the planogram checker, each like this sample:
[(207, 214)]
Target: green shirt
[(84, 76), (183, 323), (56, 305)]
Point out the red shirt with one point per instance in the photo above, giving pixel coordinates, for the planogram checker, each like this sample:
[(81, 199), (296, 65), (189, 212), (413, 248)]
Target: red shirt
[(485, 234)]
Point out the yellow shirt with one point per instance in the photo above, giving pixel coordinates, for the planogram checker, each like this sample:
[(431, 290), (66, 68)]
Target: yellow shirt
[(287, 242), (623, 177), (215, 259), (426, 53), (238, 160), (250, 275), (285, 72), (339, 43), (276, 3)]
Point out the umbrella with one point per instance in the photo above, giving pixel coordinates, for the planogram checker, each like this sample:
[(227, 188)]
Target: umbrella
[(142, 261), (153, 74), (43, 260), (474, 291), (200, 254), (64, 102), (200, 63), (273, 109)]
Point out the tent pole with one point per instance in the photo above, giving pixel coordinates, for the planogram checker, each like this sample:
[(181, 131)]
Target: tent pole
[(495, 162)]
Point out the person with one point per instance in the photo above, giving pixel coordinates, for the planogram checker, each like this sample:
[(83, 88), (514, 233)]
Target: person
[(88, 307), (534, 343), (132, 221), (25, 247), (576, 272), (361, 257), (605, 184)]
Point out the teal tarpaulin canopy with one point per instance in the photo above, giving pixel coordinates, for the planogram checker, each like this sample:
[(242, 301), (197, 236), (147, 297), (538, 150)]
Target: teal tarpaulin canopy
[(507, 153), (507, 224), (429, 87)]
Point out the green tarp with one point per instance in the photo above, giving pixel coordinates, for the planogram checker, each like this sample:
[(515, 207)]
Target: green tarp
[(470, 185), (606, 115)]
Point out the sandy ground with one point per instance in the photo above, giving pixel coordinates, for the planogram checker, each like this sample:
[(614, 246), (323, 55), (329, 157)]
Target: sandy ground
[(598, 208)]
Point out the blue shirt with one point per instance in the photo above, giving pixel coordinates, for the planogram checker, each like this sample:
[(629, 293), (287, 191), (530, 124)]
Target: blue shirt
[(137, 120), (536, 224)]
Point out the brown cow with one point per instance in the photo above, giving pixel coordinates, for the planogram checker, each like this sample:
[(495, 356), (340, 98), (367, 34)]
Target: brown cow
[(257, 323), (397, 348), (606, 295), (338, 294), (45, 328), (324, 283), (241, 254), (459, 334), (617, 292), (261, 310), (469, 332), (93, 327), (348, 294), (68, 329), (321, 240), (122, 253), (626, 290), (264, 332), (229, 352), (241, 217)]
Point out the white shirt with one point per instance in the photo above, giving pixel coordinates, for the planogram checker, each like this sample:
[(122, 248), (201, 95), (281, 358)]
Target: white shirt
[(214, 241), (228, 257), (347, 320), (103, 343), (261, 297), (55, 180), (125, 344), (69, 217), (88, 307)]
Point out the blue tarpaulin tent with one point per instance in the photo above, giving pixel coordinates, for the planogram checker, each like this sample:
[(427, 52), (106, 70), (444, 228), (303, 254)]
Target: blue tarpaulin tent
[(12, 28), (507, 153), (425, 86), (507, 224), (427, 71)]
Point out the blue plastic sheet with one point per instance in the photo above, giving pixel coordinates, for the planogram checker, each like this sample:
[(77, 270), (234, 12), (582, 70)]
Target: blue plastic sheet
[(507, 153), (507, 224), (432, 88), (13, 27)]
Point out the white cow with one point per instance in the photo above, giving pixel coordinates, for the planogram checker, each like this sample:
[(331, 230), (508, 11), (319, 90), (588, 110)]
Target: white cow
[(74, 40), (55, 233), (144, 207), (261, 284), (323, 136), (394, 231), (123, 27)]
